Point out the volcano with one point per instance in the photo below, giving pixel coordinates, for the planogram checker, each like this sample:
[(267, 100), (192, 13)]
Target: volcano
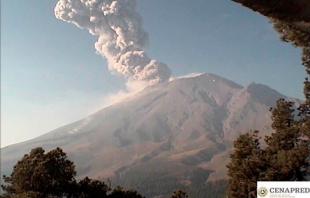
[(175, 129)]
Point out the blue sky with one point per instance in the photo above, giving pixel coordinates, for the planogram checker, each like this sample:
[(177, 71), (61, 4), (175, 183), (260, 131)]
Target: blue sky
[(51, 75)]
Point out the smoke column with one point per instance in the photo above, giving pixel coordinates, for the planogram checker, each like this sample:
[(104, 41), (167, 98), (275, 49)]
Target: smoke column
[(120, 36)]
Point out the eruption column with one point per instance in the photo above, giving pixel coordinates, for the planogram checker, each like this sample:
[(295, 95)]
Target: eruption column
[(121, 36)]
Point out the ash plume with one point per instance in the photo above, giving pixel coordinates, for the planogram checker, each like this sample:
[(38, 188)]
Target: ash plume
[(121, 36)]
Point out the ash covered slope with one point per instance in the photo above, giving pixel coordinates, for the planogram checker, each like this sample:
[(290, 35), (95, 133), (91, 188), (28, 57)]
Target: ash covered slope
[(174, 127)]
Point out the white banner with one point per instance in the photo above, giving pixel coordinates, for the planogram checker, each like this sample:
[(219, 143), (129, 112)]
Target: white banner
[(283, 189)]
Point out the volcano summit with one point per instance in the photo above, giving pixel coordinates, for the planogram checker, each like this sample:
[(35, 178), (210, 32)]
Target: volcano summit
[(174, 129)]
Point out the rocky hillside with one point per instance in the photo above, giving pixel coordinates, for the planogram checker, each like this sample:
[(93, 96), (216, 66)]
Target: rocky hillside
[(182, 129)]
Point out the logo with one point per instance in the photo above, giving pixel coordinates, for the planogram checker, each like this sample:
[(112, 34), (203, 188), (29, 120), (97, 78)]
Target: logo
[(262, 192)]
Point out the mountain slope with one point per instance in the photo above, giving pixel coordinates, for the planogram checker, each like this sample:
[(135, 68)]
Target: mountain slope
[(173, 128)]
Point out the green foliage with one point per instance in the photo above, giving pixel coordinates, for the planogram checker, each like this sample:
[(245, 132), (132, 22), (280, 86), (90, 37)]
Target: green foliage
[(291, 19), (246, 165), (298, 34), (287, 10), (286, 157), (287, 149), (120, 192), (52, 175), (88, 188), (42, 174), (179, 194), (291, 33), (304, 109), (29, 194)]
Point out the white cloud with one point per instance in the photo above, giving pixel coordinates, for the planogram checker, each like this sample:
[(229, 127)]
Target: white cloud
[(190, 75)]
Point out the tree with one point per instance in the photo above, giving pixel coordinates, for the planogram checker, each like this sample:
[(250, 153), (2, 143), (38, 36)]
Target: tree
[(285, 10), (88, 188), (179, 194), (291, 19), (29, 194), (287, 148), (52, 175), (119, 192), (286, 157), (246, 166)]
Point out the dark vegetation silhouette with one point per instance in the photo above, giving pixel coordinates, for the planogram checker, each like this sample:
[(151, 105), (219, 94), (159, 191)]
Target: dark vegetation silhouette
[(179, 194), (286, 156), (51, 175)]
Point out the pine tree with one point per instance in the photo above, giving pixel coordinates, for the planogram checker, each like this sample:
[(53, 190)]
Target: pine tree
[(304, 109), (42, 174), (179, 194), (51, 175), (119, 192), (88, 188), (245, 166), (286, 157), (287, 149)]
